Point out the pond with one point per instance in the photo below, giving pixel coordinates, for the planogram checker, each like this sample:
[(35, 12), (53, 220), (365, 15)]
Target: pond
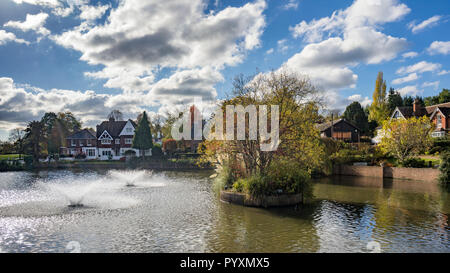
[(141, 211)]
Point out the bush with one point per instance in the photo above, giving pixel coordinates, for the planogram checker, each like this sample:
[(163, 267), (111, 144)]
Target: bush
[(444, 178), (240, 185), (288, 177), (130, 153), (80, 156), (414, 163), (157, 151)]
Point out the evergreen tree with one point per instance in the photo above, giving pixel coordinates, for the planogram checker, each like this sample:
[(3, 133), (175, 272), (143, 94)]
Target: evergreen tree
[(355, 114), (394, 100), (379, 110), (143, 137)]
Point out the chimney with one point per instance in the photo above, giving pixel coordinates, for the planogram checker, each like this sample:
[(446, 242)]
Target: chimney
[(416, 106)]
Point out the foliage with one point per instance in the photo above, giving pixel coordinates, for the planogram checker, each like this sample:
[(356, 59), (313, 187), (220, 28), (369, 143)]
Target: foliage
[(379, 110), (443, 97), (355, 114), (444, 178), (143, 137), (80, 156), (156, 150), (7, 167), (414, 163), (116, 115), (34, 136), (130, 153), (394, 100), (170, 146), (404, 138)]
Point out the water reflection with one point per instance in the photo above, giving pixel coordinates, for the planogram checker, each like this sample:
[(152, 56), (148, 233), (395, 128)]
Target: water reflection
[(178, 212)]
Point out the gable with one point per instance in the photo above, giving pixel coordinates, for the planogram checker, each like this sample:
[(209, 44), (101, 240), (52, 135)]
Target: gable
[(397, 114), (105, 135), (128, 129)]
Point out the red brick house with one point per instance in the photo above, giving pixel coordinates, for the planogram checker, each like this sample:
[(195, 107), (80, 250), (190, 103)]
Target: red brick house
[(114, 138), (439, 114), (81, 142)]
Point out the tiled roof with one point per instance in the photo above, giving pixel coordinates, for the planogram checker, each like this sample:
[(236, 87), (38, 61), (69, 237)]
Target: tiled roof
[(113, 127), (83, 134), (430, 109), (324, 126)]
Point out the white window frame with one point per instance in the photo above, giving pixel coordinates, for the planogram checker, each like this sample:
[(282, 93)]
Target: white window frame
[(90, 152), (128, 141), (106, 141), (117, 141), (73, 143), (439, 121)]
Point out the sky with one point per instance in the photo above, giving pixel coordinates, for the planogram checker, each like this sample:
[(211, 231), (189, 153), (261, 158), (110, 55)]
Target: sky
[(90, 57)]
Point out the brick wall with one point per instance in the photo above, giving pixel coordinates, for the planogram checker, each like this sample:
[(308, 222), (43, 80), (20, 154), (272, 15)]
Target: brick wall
[(422, 174)]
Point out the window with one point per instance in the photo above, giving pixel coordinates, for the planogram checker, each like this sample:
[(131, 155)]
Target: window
[(106, 153), (89, 142), (117, 141), (342, 135), (438, 134), (396, 115), (128, 140), (81, 143), (106, 141), (439, 121), (90, 152), (73, 142)]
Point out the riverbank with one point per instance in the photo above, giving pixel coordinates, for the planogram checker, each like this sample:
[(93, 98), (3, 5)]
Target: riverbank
[(157, 165), (419, 174)]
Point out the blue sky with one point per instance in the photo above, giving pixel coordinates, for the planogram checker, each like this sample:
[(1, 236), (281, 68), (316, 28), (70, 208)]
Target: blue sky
[(90, 57)]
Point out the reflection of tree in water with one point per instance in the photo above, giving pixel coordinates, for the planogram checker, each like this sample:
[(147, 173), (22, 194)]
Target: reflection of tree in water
[(243, 229)]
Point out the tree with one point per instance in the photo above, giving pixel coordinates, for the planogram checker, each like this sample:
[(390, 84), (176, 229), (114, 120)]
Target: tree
[(69, 122), (299, 140), (404, 138), (355, 114), (443, 97), (34, 136), (143, 136), (379, 110), (17, 137), (394, 100), (116, 115)]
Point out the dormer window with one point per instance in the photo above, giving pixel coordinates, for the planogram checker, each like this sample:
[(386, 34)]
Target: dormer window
[(106, 141)]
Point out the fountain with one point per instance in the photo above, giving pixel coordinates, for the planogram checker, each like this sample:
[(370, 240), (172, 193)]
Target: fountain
[(131, 178)]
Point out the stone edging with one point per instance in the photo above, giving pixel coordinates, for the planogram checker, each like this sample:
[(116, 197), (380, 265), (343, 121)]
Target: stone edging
[(265, 201)]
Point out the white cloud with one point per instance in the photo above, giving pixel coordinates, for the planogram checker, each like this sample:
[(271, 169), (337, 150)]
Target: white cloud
[(352, 37), (291, 4), (363, 101), (90, 13), (444, 72), (435, 84), (270, 51), (411, 77), (430, 22), (420, 67), (138, 40), (282, 46), (34, 22), (411, 90), (410, 54), (438, 47), (6, 37)]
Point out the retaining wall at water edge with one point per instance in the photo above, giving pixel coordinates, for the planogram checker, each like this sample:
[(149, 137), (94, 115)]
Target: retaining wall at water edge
[(422, 174)]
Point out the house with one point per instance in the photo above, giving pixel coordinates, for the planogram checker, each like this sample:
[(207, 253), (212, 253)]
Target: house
[(340, 129), (439, 114), (114, 138), (81, 142)]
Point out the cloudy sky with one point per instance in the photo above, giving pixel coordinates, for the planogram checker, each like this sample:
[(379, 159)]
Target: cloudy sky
[(89, 56)]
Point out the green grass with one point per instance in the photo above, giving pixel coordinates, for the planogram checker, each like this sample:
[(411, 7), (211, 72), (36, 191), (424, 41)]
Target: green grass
[(11, 156)]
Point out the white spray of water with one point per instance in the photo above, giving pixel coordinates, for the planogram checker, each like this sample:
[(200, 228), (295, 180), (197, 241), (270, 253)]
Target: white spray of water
[(135, 178)]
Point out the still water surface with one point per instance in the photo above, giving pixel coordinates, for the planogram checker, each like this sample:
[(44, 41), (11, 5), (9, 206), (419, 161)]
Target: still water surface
[(138, 211)]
